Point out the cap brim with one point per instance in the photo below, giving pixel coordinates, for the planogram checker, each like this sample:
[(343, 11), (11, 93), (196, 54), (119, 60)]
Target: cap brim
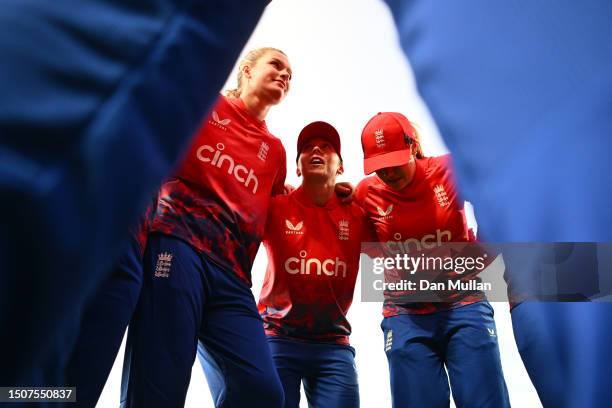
[(392, 159)]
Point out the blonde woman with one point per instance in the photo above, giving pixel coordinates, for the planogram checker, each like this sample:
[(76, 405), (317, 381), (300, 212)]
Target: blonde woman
[(204, 236)]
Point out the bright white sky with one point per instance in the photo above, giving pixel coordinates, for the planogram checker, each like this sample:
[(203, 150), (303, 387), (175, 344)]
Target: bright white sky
[(347, 66)]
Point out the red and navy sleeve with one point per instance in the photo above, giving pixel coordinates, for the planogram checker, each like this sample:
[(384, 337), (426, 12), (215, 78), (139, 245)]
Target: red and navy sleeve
[(279, 182)]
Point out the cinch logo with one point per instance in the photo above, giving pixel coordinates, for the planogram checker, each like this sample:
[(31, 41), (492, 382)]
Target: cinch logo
[(303, 266), (380, 138), (441, 196), (218, 122), (240, 172), (385, 214), (428, 241), (294, 229)]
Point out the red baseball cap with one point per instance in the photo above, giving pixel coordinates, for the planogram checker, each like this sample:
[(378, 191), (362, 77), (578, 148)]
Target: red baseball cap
[(319, 129), (386, 140)]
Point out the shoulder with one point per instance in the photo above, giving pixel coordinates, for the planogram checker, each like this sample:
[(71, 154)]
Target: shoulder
[(222, 104), (271, 141), (439, 166), (352, 210), (364, 187), (441, 172), (357, 212), (280, 201), (276, 151), (440, 163), (275, 141), (279, 209)]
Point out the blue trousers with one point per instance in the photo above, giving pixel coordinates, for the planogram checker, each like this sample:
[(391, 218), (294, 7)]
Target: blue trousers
[(544, 339), (326, 370), (102, 327), (187, 301), (464, 340), (99, 99)]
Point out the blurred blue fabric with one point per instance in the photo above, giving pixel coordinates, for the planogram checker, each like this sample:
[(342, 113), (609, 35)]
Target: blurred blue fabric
[(521, 93), (99, 99)]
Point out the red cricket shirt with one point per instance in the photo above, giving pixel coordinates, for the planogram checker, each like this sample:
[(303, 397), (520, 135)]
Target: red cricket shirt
[(217, 200), (418, 219), (313, 259)]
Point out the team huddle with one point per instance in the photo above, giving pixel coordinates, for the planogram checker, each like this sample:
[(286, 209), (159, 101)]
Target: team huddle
[(185, 280), (102, 100)]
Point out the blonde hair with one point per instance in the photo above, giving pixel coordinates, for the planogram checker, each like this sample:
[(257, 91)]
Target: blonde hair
[(416, 137), (249, 60)]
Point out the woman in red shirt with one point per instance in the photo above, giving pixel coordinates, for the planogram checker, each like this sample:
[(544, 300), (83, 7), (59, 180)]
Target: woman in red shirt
[(414, 208), (206, 230)]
